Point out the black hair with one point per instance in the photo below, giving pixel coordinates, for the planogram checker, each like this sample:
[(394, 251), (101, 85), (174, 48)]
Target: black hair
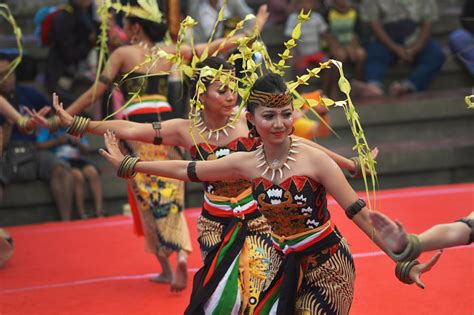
[(155, 31), (269, 83), (211, 62), (6, 57)]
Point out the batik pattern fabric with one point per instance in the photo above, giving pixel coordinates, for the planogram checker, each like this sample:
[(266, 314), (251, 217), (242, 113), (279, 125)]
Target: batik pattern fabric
[(316, 271), (160, 203), (234, 240), (159, 200)]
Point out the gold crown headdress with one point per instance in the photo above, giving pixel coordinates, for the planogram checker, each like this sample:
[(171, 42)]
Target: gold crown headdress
[(268, 99), (146, 9)]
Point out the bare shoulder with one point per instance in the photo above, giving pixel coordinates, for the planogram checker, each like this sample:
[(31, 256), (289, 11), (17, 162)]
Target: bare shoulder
[(318, 158), (121, 51), (314, 153)]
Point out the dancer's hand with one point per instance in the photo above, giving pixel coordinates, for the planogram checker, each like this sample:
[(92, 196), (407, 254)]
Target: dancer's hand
[(421, 268), (357, 169), (391, 232), (112, 154), (65, 119), (37, 117), (374, 153), (262, 17)]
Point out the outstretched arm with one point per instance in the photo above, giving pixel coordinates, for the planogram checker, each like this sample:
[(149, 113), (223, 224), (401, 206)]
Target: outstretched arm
[(332, 178), (229, 167), (437, 237), (171, 131), (260, 20), (7, 110), (340, 160), (110, 71)]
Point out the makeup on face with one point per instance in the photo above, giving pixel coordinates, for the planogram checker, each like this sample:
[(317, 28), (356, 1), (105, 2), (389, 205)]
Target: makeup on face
[(275, 122)]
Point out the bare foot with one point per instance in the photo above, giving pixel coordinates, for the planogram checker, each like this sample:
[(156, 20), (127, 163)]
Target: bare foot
[(180, 278), (399, 88), (162, 278), (364, 89)]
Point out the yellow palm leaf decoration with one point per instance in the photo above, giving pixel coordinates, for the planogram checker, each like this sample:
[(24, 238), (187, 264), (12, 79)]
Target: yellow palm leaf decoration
[(6, 13)]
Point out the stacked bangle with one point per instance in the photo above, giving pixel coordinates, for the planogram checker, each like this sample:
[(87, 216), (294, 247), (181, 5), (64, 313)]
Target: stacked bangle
[(357, 169), (127, 166), (78, 126), (402, 270), (411, 251), (53, 124), (22, 125)]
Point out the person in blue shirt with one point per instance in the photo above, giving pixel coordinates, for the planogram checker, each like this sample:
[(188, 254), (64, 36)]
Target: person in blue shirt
[(70, 149), (48, 167)]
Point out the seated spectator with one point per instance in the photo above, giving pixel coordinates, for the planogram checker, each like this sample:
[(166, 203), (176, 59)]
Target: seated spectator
[(70, 149), (402, 30), (461, 41), (35, 164), (343, 22), (206, 13)]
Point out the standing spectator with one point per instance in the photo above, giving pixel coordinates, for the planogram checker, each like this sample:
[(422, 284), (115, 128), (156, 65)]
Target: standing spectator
[(71, 149), (72, 36), (461, 41), (343, 21), (47, 166), (402, 30), (206, 14), (309, 51), (278, 11)]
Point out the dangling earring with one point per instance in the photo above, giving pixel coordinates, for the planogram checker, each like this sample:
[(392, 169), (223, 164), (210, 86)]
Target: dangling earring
[(253, 133), (134, 39)]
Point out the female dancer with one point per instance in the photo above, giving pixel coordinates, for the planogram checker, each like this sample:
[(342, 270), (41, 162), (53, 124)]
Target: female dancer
[(226, 202), (160, 209), (289, 183)]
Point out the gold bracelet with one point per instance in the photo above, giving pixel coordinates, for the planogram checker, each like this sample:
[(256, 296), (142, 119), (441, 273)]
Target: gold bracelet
[(78, 126), (411, 251), (126, 168), (402, 270), (357, 169), (22, 125), (53, 124)]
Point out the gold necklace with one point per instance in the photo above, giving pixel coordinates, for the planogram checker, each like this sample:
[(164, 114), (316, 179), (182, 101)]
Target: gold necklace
[(273, 166), (200, 124)]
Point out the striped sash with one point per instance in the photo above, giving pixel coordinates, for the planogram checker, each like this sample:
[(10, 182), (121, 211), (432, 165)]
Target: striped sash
[(301, 241), (226, 207), (147, 104)]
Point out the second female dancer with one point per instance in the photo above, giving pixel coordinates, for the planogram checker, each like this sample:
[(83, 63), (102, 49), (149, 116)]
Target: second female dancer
[(159, 200)]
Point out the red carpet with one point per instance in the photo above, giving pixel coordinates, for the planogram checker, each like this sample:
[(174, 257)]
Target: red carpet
[(100, 267)]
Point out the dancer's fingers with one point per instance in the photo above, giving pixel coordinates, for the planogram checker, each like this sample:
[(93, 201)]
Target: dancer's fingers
[(374, 153), (43, 111)]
